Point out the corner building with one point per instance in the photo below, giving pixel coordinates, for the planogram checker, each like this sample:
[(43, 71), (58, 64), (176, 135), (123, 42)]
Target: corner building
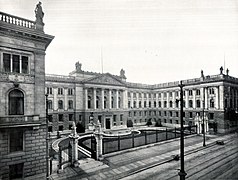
[(22, 89), (86, 97)]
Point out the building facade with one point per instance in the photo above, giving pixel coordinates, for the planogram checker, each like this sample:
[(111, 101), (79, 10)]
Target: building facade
[(86, 97), (22, 89)]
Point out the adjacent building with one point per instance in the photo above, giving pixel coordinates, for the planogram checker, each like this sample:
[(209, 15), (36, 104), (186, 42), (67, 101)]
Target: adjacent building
[(22, 90)]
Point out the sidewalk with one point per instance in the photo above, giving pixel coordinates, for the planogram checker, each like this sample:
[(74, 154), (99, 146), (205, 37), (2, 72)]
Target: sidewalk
[(120, 164)]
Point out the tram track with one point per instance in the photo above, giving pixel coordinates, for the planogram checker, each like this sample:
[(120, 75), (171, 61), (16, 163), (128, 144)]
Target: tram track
[(209, 149)]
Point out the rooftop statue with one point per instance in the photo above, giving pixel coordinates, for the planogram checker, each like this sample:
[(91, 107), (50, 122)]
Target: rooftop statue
[(39, 13)]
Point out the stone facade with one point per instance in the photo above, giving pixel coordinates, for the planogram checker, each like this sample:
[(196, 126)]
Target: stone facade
[(114, 102), (22, 92)]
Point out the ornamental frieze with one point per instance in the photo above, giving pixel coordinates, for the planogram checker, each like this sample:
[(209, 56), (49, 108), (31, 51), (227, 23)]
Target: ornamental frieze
[(5, 77)]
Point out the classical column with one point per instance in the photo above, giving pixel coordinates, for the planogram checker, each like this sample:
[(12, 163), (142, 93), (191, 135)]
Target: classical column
[(162, 99), (65, 99), (20, 64), (137, 99), (11, 64), (186, 98), (86, 98), (125, 99), (217, 97), (157, 100), (94, 98), (142, 100), (194, 98), (117, 98), (55, 100), (102, 98), (147, 100), (110, 99), (167, 99), (173, 98), (206, 98)]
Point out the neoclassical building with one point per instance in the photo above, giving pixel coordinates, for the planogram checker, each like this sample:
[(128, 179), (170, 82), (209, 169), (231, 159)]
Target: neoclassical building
[(86, 97)]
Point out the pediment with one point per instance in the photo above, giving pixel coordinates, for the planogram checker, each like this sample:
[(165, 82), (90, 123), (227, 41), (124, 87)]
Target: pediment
[(105, 79)]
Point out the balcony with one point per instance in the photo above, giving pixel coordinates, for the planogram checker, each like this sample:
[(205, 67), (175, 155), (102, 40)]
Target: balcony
[(19, 121)]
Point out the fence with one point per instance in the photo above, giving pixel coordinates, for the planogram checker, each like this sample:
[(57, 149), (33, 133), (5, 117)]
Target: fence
[(113, 144)]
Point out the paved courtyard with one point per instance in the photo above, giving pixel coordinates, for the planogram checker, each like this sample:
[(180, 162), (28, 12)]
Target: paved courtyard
[(155, 161)]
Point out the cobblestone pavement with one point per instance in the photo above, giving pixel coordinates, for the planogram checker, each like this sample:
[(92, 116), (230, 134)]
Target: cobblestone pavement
[(156, 161)]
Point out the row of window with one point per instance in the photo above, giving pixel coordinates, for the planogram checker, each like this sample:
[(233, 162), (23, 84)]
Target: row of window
[(61, 104), (105, 102), (49, 90), (190, 104), (15, 63), (167, 113), (190, 93)]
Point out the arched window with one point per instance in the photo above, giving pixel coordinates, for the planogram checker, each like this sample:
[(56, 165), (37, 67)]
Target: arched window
[(97, 102), (149, 103), (16, 102), (198, 103), (154, 103), (105, 102), (89, 102), (60, 104), (71, 104), (112, 105), (159, 103), (134, 104), (170, 104), (145, 104), (50, 104), (190, 103), (119, 102), (139, 104)]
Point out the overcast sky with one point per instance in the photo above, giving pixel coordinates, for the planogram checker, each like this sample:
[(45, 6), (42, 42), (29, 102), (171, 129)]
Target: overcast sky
[(154, 41)]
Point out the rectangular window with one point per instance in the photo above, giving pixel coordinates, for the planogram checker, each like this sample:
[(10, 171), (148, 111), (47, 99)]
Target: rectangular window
[(61, 128), (16, 171), (50, 118), (49, 90), (121, 119), (6, 62), (177, 122), (211, 115), (114, 120), (50, 129), (60, 91), (60, 117), (70, 91), (16, 140), (70, 117), (80, 118), (24, 64), (190, 114), (16, 63)]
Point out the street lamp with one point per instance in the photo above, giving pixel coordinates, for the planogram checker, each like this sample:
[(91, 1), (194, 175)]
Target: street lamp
[(182, 172), (203, 121)]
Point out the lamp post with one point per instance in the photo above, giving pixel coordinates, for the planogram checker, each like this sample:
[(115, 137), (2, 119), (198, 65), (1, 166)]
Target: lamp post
[(182, 172), (203, 121), (47, 138)]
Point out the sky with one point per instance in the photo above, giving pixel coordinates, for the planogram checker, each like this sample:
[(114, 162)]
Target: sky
[(154, 41)]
